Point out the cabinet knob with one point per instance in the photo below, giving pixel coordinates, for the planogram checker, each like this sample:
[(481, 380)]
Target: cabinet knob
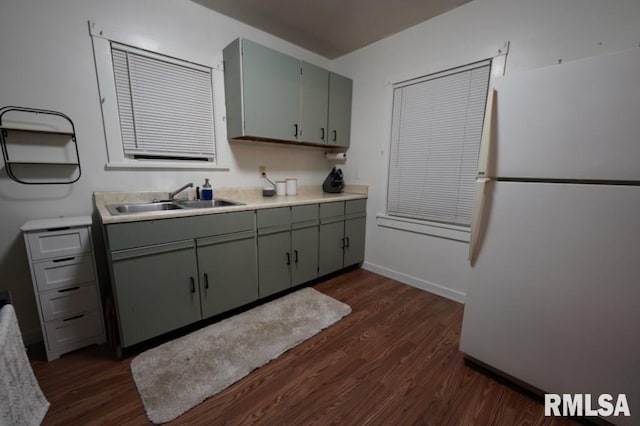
[(322, 133), (296, 253), (288, 258), (206, 281), (296, 130), (193, 285), (335, 135)]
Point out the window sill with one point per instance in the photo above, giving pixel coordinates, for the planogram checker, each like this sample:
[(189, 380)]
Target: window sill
[(164, 165), (442, 230)]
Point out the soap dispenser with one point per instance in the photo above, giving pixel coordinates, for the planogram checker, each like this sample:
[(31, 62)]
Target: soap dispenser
[(207, 191)]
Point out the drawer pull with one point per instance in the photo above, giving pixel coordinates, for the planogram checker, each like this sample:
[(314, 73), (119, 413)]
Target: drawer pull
[(64, 228), (68, 289), (206, 281), (65, 259), (72, 318), (193, 285)]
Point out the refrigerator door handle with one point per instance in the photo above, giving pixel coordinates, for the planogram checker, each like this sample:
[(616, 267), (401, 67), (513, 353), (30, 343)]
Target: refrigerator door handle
[(483, 175), (478, 208), (484, 155)]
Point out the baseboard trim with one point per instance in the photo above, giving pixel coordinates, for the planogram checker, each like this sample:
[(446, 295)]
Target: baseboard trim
[(454, 295)]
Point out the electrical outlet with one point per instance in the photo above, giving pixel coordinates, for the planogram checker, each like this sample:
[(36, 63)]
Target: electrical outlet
[(262, 170)]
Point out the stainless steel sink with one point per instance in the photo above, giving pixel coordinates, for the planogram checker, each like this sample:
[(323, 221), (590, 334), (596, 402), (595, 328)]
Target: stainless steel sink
[(204, 204), (117, 209), (158, 206)]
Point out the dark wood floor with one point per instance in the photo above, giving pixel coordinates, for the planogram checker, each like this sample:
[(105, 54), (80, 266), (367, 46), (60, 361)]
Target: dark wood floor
[(393, 360)]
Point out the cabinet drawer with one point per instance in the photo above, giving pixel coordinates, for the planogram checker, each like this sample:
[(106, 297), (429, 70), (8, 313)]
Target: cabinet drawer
[(280, 217), (64, 242), (70, 331), (332, 209), (145, 233), (355, 208), (304, 213), (65, 272), (68, 302)]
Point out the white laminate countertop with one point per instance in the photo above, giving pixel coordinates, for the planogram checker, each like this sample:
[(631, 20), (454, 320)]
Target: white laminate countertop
[(251, 199)]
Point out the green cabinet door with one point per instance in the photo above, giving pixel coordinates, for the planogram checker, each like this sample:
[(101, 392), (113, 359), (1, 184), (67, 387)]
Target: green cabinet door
[(228, 273), (354, 232), (314, 94), (274, 261), (304, 266), (156, 290), (340, 90), (331, 247), (271, 96)]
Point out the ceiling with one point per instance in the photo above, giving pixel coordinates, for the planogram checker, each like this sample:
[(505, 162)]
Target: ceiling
[(331, 28)]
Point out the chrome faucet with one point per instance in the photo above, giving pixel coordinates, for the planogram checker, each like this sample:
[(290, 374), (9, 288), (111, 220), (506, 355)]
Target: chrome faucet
[(182, 188)]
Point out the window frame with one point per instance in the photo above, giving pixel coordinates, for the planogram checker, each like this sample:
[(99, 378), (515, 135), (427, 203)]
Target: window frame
[(102, 37), (497, 56)]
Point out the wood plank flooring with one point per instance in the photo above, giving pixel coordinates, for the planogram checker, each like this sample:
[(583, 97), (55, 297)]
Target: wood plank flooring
[(393, 361)]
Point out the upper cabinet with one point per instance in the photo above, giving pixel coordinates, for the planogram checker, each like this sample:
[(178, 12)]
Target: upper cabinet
[(340, 89), (314, 95), (274, 97), (270, 89)]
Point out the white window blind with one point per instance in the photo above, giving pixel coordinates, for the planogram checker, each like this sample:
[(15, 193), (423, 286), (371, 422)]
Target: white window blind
[(435, 141), (165, 106)]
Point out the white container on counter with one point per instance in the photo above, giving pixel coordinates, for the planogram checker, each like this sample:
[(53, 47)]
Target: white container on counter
[(292, 186), (281, 187)]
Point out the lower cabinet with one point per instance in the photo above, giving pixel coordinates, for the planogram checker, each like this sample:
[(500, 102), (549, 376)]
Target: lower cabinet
[(354, 231), (287, 247), (228, 272), (160, 285), (156, 289), (342, 235), (331, 246), (304, 262), (274, 261), (162, 282)]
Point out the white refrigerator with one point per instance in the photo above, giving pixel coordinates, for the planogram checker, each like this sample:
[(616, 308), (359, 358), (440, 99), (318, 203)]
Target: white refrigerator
[(554, 299)]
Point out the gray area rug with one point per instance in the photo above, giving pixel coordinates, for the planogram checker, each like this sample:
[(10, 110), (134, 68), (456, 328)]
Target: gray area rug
[(178, 375)]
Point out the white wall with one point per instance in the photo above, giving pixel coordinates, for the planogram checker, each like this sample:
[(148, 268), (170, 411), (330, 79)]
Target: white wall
[(46, 61), (541, 32)]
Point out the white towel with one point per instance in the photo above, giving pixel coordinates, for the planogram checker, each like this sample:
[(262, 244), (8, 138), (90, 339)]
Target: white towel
[(21, 399)]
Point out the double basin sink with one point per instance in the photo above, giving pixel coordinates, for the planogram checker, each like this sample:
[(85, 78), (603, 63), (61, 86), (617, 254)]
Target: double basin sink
[(164, 205)]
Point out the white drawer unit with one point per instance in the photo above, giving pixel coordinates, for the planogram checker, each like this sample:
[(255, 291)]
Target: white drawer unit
[(63, 271)]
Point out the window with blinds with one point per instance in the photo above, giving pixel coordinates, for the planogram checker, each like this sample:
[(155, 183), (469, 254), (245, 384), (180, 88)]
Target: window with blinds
[(435, 141), (165, 106)]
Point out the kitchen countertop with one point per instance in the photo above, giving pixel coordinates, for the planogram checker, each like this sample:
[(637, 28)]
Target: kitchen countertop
[(251, 199)]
